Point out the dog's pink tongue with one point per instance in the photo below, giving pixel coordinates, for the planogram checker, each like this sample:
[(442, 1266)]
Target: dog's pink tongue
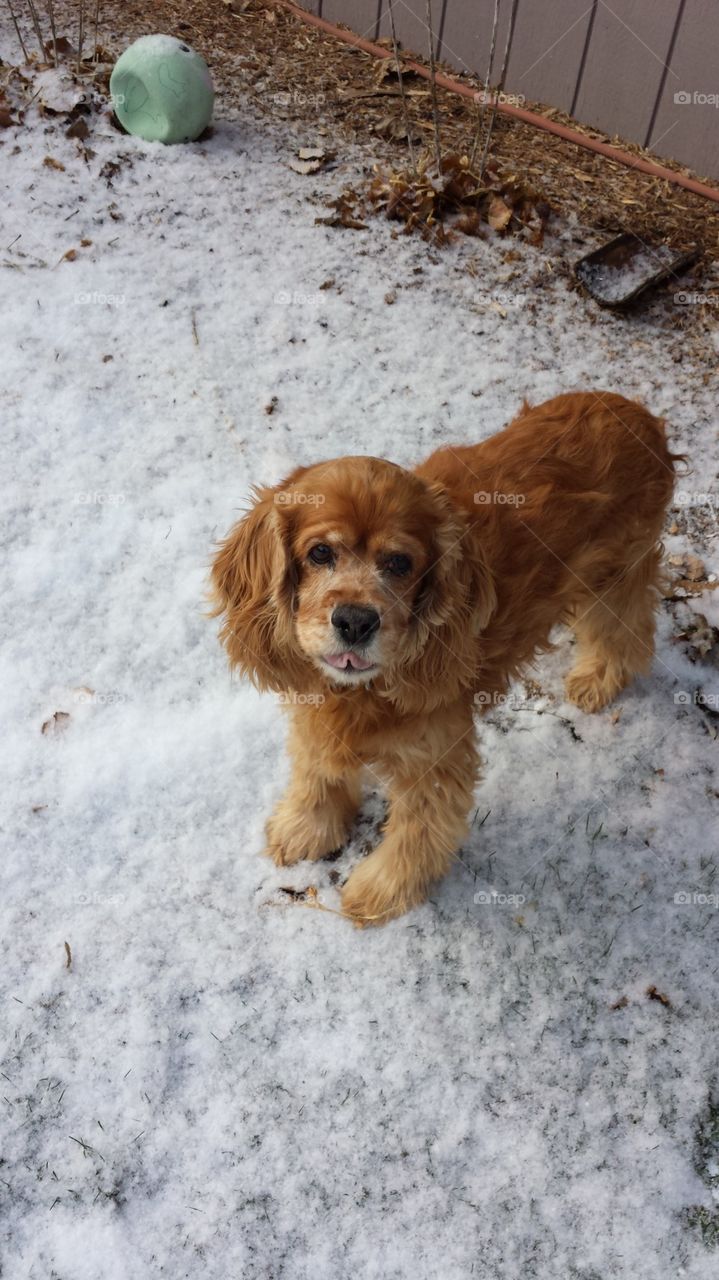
[(341, 661)]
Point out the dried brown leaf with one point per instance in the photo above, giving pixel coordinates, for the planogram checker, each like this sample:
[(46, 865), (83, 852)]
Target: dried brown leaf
[(695, 569), (345, 213), (79, 129), (499, 214), (305, 166), (58, 722), (394, 128), (63, 46), (654, 994)]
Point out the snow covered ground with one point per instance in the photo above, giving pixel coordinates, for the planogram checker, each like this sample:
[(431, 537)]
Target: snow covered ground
[(214, 1080)]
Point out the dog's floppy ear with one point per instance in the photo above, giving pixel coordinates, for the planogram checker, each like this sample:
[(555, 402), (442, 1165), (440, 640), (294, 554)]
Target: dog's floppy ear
[(458, 589), (454, 603), (252, 587)]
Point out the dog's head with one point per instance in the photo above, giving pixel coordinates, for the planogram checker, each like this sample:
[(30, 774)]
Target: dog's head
[(350, 572)]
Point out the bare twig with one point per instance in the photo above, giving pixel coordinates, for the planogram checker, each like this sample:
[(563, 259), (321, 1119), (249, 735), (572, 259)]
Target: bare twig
[(500, 86), (398, 69), (97, 21), (433, 82), (51, 15), (36, 25), (487, 80), (508, 44), (17, 31), (80, 35)]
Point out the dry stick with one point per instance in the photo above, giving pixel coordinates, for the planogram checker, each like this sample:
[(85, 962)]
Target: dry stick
[(80, 35), (97, 20), (51, 14), (36, 25), (500, 87), (18, 32), (433, 83), (398, 69), (485, 96)]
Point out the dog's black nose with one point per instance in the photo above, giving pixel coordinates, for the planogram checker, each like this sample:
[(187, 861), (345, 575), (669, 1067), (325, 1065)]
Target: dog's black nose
[(355, 622)]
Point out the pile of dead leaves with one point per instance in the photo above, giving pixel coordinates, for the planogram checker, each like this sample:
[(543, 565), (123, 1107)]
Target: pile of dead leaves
[(439, 200), (59, 84)]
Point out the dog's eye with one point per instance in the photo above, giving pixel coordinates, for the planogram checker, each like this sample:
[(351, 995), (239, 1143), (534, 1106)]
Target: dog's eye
[(398, 566), (321, 554)]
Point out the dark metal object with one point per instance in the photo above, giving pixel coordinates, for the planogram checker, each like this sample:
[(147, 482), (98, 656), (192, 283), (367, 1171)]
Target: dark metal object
[(619, 273)]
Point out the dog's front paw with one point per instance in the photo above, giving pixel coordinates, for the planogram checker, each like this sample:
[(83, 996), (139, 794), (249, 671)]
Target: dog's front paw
[(590, 690), (292, 836), (376, 893)]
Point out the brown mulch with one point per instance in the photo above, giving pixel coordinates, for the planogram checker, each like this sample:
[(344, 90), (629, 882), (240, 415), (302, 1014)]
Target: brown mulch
[(293, 71)]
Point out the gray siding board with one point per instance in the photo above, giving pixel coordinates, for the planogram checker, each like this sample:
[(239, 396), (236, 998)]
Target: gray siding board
[(547, 49), (467, 35), (410, 23), (690, 131), (361, 15), (625, 64)]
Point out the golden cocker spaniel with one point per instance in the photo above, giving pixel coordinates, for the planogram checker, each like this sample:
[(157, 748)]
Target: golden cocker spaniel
[(389, 605)]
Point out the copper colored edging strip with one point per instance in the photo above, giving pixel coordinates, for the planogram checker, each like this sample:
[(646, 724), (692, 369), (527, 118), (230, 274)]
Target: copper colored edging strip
[(518, 113)]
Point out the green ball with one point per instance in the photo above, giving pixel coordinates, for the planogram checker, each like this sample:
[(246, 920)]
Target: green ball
[(161, 90)]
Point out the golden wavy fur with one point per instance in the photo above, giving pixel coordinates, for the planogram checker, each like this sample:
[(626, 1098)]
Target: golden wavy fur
[(388, 605)]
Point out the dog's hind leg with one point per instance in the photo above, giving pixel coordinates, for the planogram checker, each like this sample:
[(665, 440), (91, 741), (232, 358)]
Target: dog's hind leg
[(614, 627)]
